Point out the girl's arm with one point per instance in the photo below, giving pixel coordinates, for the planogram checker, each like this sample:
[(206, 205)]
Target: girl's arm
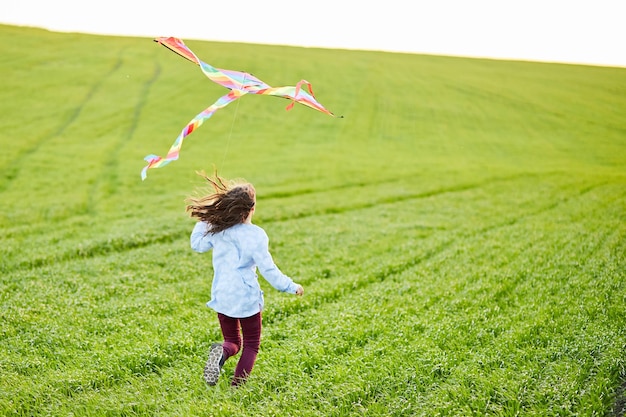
[(200, 240), (271, 272)]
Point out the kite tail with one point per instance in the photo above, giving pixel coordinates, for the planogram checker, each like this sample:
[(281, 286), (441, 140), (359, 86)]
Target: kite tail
[(155, 161)]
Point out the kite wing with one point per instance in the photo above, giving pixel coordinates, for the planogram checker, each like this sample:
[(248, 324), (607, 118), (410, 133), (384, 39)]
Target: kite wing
[(245, 81), (226, 78), (178, 46), (296, 95)]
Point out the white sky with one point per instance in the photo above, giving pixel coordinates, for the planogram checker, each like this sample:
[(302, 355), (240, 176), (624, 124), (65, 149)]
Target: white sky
[(572, 31)]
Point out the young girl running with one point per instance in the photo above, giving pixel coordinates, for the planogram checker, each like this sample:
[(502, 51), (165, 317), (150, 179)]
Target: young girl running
[(239, 248)]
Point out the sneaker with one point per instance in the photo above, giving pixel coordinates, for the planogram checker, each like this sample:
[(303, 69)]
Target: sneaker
[(214, 364)]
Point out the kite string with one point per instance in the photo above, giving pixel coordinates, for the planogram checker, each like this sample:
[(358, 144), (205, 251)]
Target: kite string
[(232, 126)]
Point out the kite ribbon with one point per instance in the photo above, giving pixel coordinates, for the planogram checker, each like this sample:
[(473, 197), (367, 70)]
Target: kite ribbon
[(155, 161)]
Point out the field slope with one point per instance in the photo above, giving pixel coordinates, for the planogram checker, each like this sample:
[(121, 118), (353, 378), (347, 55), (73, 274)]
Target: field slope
[(460, 233)]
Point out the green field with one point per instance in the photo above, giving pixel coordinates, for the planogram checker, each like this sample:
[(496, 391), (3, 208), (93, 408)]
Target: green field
[(460, 233)]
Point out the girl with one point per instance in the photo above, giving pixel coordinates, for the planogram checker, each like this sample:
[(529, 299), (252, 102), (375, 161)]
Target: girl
[(239, 248)]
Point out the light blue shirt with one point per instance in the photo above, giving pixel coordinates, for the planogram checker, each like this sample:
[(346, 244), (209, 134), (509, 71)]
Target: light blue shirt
[(237, 253)]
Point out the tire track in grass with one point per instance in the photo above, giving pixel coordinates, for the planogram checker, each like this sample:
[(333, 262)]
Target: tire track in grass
[(102, 248), (385, 200), (127, 243), (398, 268), (397, 198), (111, 162), (606, 311), (29, 229), (365, 279), (553, 205), (316, 353), (578, 268), (15, 166), (319, 355)]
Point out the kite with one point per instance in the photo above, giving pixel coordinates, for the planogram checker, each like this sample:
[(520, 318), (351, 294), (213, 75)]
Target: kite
[(239, 84)]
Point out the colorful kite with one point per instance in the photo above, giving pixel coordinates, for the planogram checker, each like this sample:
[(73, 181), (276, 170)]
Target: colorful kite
[(239, 83)]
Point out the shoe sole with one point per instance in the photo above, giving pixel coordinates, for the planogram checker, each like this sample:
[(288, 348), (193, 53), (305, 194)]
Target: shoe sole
[(213, 368)]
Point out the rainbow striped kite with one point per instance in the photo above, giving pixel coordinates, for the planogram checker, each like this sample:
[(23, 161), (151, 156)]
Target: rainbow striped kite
[(239, 83)]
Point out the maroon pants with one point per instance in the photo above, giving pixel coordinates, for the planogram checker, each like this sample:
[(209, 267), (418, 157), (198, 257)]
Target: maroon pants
[(232, 330)]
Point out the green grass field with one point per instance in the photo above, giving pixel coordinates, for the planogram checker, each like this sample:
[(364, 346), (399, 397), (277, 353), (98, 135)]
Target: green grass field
[(460, 233)]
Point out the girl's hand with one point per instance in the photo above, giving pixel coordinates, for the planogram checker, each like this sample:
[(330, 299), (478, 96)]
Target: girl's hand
[(300, 290)]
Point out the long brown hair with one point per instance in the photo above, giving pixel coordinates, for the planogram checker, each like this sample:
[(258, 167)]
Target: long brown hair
[(227, 205)]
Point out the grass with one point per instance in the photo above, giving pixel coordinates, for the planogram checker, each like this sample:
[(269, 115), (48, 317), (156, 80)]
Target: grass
[(460, 233)]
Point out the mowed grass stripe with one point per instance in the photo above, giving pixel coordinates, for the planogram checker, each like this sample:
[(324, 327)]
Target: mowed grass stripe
[(125, 244), (328, 201), (72, 116), (107, 182)]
